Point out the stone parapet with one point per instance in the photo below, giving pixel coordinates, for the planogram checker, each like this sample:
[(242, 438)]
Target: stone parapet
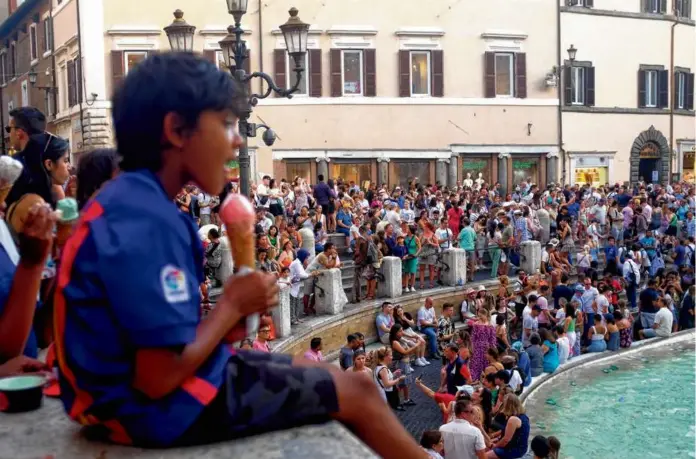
[(330, 297), (454, 271), (391, 286)]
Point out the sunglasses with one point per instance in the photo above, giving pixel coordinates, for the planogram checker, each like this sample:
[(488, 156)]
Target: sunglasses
[(264, 330)]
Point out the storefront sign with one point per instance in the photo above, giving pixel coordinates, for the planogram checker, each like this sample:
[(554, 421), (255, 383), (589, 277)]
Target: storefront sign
[(594, 176), (650, 151), (518, 164), (469, 164)]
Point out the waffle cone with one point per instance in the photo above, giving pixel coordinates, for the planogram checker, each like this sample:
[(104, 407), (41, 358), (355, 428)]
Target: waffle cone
[(4, 191), (63, 232), (242, 248)]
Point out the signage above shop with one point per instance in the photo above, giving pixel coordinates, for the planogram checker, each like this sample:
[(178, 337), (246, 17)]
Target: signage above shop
[(650, 151)]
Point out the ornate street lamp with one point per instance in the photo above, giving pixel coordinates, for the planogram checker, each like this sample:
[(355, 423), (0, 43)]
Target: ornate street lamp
[(235, 52), (180, 33), (33, 76), (572, 51)]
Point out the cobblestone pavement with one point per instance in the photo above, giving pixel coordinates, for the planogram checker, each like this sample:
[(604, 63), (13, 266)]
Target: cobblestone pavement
[(425, 415)]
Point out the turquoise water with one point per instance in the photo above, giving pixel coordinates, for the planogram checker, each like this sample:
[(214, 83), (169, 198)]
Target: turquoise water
[(640, 406)]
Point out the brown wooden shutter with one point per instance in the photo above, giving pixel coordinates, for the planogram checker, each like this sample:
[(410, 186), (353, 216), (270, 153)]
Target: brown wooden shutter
[(567, 86), (336, 77), (71, 84), (662, 88), (675, 89), (641, 88), (689, 91), (280, 74), (589, 86), (117, 69), (489, 74), (521, 75), (314, 72), (438, 76), (404, 73), (209, 55), (41, 35), (370, 77)]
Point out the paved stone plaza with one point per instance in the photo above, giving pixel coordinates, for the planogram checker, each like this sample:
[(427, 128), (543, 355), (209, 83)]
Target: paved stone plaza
[(426, 414)]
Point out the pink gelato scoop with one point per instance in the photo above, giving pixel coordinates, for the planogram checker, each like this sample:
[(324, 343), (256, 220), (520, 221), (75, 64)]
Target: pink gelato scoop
[(237, 211)]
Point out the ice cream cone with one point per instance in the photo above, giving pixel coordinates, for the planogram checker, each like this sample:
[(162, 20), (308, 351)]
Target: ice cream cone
[(242, 247), (63, 232), (4, 191)]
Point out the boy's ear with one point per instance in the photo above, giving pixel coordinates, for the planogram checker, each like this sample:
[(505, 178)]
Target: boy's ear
[(173, 130)]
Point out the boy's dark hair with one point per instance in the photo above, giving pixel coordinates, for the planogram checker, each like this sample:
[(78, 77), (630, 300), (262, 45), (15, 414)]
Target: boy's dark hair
[(430, 438), (560, 329), (315, 343), (503, 376), (328, 246), (490, 377), (29, 119), (351, 338), (540, 446), (94, 168), (462, 406), (173, 82), (213, 233), (534, 339)]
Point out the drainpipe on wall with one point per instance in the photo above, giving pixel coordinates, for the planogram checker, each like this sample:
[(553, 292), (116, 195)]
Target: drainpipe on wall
[(82, 73), (559, 92), (54, 81), (671, 103)]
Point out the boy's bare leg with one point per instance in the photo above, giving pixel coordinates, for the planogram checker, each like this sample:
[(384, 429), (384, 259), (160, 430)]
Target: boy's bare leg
[(384, 433)]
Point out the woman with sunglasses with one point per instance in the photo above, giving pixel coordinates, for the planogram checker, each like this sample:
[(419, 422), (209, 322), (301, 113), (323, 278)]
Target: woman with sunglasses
[(46, 164)]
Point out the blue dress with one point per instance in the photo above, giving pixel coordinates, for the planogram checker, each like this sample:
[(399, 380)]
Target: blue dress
[(517, 446), (551, 357), (613, 344)]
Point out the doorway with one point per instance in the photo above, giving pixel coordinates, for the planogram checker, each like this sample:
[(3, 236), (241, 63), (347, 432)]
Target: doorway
[(649, 170)]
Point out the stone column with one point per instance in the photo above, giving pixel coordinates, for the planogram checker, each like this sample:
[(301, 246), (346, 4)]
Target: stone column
[(390, 287), (454, 271), (530, 256), (382, 171), (453, 171), (281, 313), (330, 295), (227, 265), (323, 167), (552, 168), (441, 171), (503, 171), (308, 241)]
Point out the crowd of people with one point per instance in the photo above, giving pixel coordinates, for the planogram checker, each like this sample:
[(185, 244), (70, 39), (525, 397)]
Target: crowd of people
[(628, 249)]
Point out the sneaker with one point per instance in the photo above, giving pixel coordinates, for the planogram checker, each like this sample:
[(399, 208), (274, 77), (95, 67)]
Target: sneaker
[(425, 361), (418, 363), (410, 369), (409, 402), (413, 288)]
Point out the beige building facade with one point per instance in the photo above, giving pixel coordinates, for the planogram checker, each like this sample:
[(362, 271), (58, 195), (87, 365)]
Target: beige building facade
[(405, 91), (628, 99)]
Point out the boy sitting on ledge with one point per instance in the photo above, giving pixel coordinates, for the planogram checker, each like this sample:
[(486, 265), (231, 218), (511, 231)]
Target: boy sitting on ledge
[(137, 363)]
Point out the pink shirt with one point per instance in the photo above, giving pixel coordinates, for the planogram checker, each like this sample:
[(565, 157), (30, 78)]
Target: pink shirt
[(259, 346), (314, 356)]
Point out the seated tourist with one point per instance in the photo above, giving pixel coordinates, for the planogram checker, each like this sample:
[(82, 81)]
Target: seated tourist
[(613, 336), (166, 377), (314, 352), (433, 443), (523, 361), (516, 381), (359, 364), (536, 355), (347, 352), (662, 327), (595, 336), (512, 441), (384, 322), (550, 350)]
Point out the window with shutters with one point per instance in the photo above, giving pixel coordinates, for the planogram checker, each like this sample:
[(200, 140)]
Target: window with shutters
[(48, 35), (3, 68), (654, 6), (33, 43), (420, 73), (303, 88), (577, 85), (72, 83), (352, 72), (650, 88), (585, 3), (680, 89), (682, 8), (504, 74), (131, 59)]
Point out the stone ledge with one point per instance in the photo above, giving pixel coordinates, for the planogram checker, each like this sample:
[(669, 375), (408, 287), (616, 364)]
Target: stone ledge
[(586, 359), (48, 432)]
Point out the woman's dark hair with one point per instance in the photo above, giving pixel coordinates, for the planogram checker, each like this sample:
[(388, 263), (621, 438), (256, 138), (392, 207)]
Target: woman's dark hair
[(94, 169), (493, 352), (560, 330), (273, 227), (35, 178), (570, 311), (546, 335), (175, 82), (598, 318), (486, 406), (430, 438), (396, 328), (618, 315)]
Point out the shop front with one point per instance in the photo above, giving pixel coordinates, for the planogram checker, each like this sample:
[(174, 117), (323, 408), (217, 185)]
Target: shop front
[(591, 168), (525, 169), (473, 167), (686, 153), (352, 170), (403, 171)]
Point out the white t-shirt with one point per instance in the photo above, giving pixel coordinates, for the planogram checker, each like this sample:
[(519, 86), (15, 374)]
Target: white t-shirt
[(445, 237), (204, 200), (462, 440), (426, 315), (515, 380), (602, 305), (665, 319), (563, 349)]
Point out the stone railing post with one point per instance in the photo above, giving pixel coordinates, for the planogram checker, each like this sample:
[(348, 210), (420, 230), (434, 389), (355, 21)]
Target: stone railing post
[(391, 286), (308, 241), (530, 256), (227, 265), (281, 313), (330, 297), (455, 260)]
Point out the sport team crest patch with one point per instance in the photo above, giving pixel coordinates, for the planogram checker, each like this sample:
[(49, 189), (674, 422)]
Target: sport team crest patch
[(174, 284)]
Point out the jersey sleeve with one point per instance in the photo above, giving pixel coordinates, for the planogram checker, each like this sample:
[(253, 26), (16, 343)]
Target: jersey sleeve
[(151, 281)]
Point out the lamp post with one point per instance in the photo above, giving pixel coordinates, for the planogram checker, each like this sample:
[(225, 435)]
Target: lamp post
[(235, 52), (33, 76)]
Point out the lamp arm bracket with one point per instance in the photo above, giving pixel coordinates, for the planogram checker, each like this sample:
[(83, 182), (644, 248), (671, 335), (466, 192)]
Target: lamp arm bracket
[(272, 87)]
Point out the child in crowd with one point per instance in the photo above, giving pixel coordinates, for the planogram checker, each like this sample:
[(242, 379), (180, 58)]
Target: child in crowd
[(168, 378), (536, 355)]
